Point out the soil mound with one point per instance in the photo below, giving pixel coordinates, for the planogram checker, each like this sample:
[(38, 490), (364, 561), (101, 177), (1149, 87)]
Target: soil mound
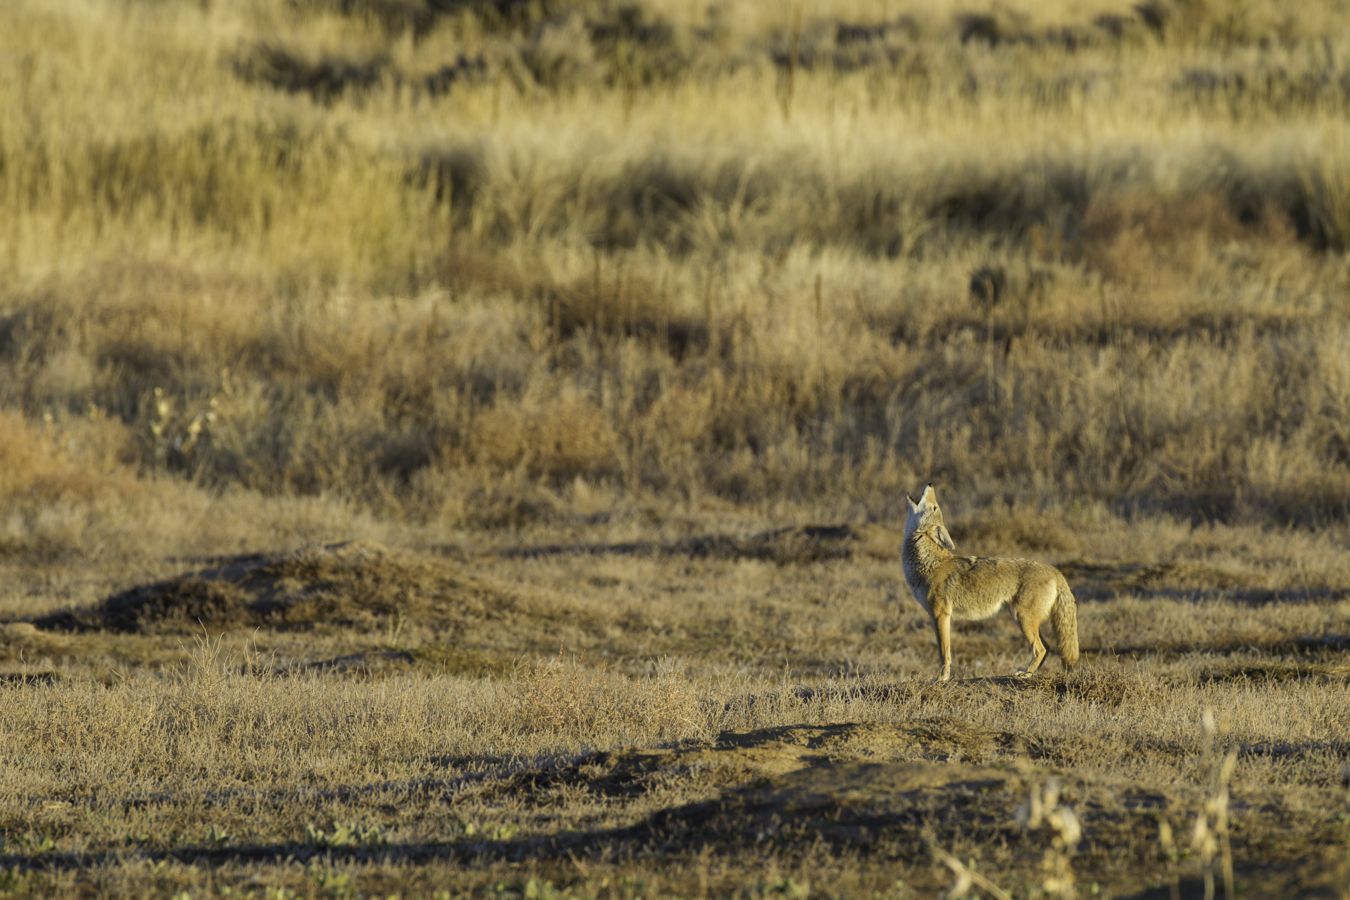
[(352, 585), (791, 765)]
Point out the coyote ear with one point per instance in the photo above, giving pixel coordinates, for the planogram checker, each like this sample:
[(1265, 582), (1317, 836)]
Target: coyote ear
[(942, 537)]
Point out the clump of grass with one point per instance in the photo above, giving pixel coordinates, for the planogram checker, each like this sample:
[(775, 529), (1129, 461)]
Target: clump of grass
[(45, 463), (62, 483), (573, 701), (1101, 683), (1327, 182)]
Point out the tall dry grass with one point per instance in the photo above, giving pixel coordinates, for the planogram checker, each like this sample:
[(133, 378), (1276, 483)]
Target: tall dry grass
[(465, 268)]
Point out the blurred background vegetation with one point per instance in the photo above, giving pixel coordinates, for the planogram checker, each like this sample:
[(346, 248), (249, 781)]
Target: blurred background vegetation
[(482, 264)]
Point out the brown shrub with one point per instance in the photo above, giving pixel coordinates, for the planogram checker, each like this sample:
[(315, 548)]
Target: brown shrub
[(558, 437), (1145, 238), (996, 532), (44, 463)]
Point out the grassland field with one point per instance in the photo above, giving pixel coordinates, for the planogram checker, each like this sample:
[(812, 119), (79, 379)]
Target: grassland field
[(457, 448)]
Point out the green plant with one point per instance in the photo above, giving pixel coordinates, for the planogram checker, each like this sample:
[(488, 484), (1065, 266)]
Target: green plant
[(344, 837)]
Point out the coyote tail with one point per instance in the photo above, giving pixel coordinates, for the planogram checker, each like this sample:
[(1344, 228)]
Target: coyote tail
[(1064, 621)]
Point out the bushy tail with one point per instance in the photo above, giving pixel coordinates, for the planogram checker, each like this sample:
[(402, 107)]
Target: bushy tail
[(1064, 621)]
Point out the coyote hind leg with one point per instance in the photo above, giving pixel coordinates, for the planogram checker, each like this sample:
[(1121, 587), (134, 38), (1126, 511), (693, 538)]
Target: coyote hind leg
[(1031, 629)]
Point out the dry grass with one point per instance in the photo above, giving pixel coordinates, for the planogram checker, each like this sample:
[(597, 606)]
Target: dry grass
[(216, 773), (446, 305), (410, 414), (716, 712)]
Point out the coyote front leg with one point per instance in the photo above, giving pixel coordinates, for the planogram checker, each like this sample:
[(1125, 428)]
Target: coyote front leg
[(942, 624)]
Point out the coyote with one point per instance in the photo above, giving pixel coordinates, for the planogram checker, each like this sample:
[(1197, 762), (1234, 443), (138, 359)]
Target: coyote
[(949, 587)]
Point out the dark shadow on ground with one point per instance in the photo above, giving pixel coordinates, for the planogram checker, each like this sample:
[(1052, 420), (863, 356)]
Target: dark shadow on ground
[(803, 544), (882, 794)]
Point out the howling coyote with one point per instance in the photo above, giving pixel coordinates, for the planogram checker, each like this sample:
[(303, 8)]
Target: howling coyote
[(949, 587)]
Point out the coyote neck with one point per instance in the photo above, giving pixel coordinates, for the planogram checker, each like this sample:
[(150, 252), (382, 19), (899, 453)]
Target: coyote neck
[(921, 555)]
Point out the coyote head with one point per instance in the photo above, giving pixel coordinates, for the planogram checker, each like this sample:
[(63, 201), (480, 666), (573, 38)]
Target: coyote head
[(925, 517)]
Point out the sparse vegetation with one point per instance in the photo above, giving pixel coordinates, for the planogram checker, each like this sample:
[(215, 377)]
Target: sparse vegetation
[(417, 421)]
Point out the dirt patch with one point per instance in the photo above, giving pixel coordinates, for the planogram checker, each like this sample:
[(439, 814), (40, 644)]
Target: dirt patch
[(855, 783), (931, 739), (769, 758), (886, 793), (801, 544), (1182, 576), (179, 606)]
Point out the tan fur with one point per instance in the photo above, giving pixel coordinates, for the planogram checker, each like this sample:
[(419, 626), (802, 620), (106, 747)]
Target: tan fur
[(949, 586)]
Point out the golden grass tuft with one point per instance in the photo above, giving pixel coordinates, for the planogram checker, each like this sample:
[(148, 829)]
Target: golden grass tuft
[(46, 464), (1102, 684), (1018, 529), (571, 699), (560, 436)]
